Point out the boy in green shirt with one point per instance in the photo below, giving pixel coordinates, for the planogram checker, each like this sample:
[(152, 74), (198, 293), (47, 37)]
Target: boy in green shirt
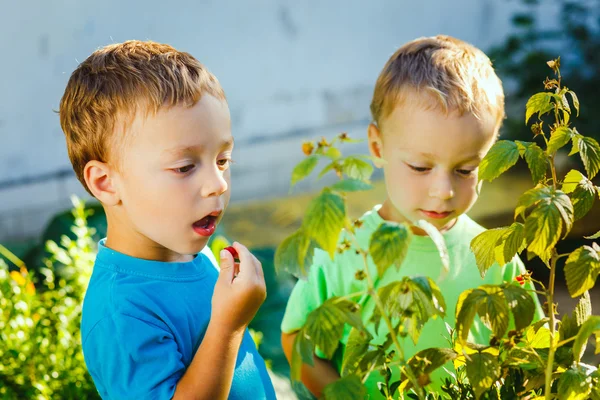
[(437, 109)]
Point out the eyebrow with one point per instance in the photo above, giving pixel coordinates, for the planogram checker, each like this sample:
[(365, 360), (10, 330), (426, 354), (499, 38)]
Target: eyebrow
[(474, 157), (183, 150)]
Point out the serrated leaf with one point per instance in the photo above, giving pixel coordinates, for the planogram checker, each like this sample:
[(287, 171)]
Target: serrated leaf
[(294, 254), (589, 150), (356, 168), (356, 348), (583, 310), (512, 243), (521, 305), (303, 351), (325, 325), (351, 185), (483, 371), (484, 245), (531, 197), (560, 137), (572, 179), (537, 162), (325, 219), (503, 155), (539, 104), (575, 143), (542, 229), (575, 101), (426, 361), (574, 384), (490, 303), (347, 388), (589, 328), (583, 199), (304, 168), (440, 244), (389, 245), (581, 270)]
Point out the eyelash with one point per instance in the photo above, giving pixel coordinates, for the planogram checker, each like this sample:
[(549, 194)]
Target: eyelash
[(224, 162), (463, 172)]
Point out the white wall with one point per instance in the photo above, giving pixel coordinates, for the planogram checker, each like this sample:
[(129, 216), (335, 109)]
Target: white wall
[(292, 70)]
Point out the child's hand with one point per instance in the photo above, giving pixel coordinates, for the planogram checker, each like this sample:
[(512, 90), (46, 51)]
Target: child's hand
[(240, 290)]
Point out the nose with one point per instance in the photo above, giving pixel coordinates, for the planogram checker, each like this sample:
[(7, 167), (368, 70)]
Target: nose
[(442, 187), (214, 182)]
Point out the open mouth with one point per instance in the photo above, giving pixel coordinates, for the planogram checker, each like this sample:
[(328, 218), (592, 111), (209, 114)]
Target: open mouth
[(207, 225)]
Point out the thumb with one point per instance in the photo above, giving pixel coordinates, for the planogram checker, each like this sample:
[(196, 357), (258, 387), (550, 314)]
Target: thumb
[(227, 265)]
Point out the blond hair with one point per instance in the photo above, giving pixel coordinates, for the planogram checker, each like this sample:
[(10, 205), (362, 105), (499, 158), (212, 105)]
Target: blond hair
[(119, 80), (456, 75)]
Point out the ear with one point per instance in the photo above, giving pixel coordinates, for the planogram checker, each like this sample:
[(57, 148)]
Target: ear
[(375, 143), (99, 179)]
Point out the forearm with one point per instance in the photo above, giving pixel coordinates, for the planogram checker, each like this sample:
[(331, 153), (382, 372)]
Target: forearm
[(316, 377), (210, 374)]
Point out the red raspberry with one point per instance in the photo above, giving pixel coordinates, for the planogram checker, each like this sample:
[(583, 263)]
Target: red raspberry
[(233, 252)]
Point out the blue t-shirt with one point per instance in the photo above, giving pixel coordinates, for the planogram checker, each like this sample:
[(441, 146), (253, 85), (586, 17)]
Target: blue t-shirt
[(142, 322)]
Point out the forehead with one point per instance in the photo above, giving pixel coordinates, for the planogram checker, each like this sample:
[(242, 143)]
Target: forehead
[(205, 123), (414, 128)]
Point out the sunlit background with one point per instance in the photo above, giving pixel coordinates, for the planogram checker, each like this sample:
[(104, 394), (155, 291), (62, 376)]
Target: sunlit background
[(292, 71)]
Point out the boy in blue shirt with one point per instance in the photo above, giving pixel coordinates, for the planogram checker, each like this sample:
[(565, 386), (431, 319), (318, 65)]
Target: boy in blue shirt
[(148, 133)]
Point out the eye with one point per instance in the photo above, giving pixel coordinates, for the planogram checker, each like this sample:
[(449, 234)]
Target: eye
[(183, 170), (224, 162), (418, 169), (465, 172)]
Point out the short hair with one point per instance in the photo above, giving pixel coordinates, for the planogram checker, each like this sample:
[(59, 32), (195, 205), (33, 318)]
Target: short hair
[(458, 76), (119, 80)]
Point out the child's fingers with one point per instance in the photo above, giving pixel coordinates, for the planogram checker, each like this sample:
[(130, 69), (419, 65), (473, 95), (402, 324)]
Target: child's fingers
[(227, 266), (247, 259)]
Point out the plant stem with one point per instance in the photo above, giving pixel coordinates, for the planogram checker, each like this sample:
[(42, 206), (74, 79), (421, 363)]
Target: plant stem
[(11, 257), (552, 349)]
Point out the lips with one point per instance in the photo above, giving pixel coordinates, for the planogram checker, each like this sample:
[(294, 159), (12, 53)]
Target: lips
[(207, 225), (436, 214)]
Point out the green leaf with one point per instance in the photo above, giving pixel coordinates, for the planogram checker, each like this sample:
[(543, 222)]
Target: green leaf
[(426, 361), (356, 348), (484, 245), (325, 219), (589, 150), (511, 243), (572, 180), (302, 353), (490, 303), (589, 328), (348, 388), (581, 270), (357, 168), (325, 325), (414, 301), (440, 243), (521, 305), (503, 155), (295, 253), (594, 236), (539, 104), (575, 100), (389, 245), (536, 161), (328, 168), (583, 199), (333, 152), (531, 197), (351, 185), (560, 137), (574, 384), (543, 226), (304, 168), (483, 370), (570, 325)]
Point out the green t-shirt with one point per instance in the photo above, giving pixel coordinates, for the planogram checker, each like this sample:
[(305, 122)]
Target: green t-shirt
[(329, 278)]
